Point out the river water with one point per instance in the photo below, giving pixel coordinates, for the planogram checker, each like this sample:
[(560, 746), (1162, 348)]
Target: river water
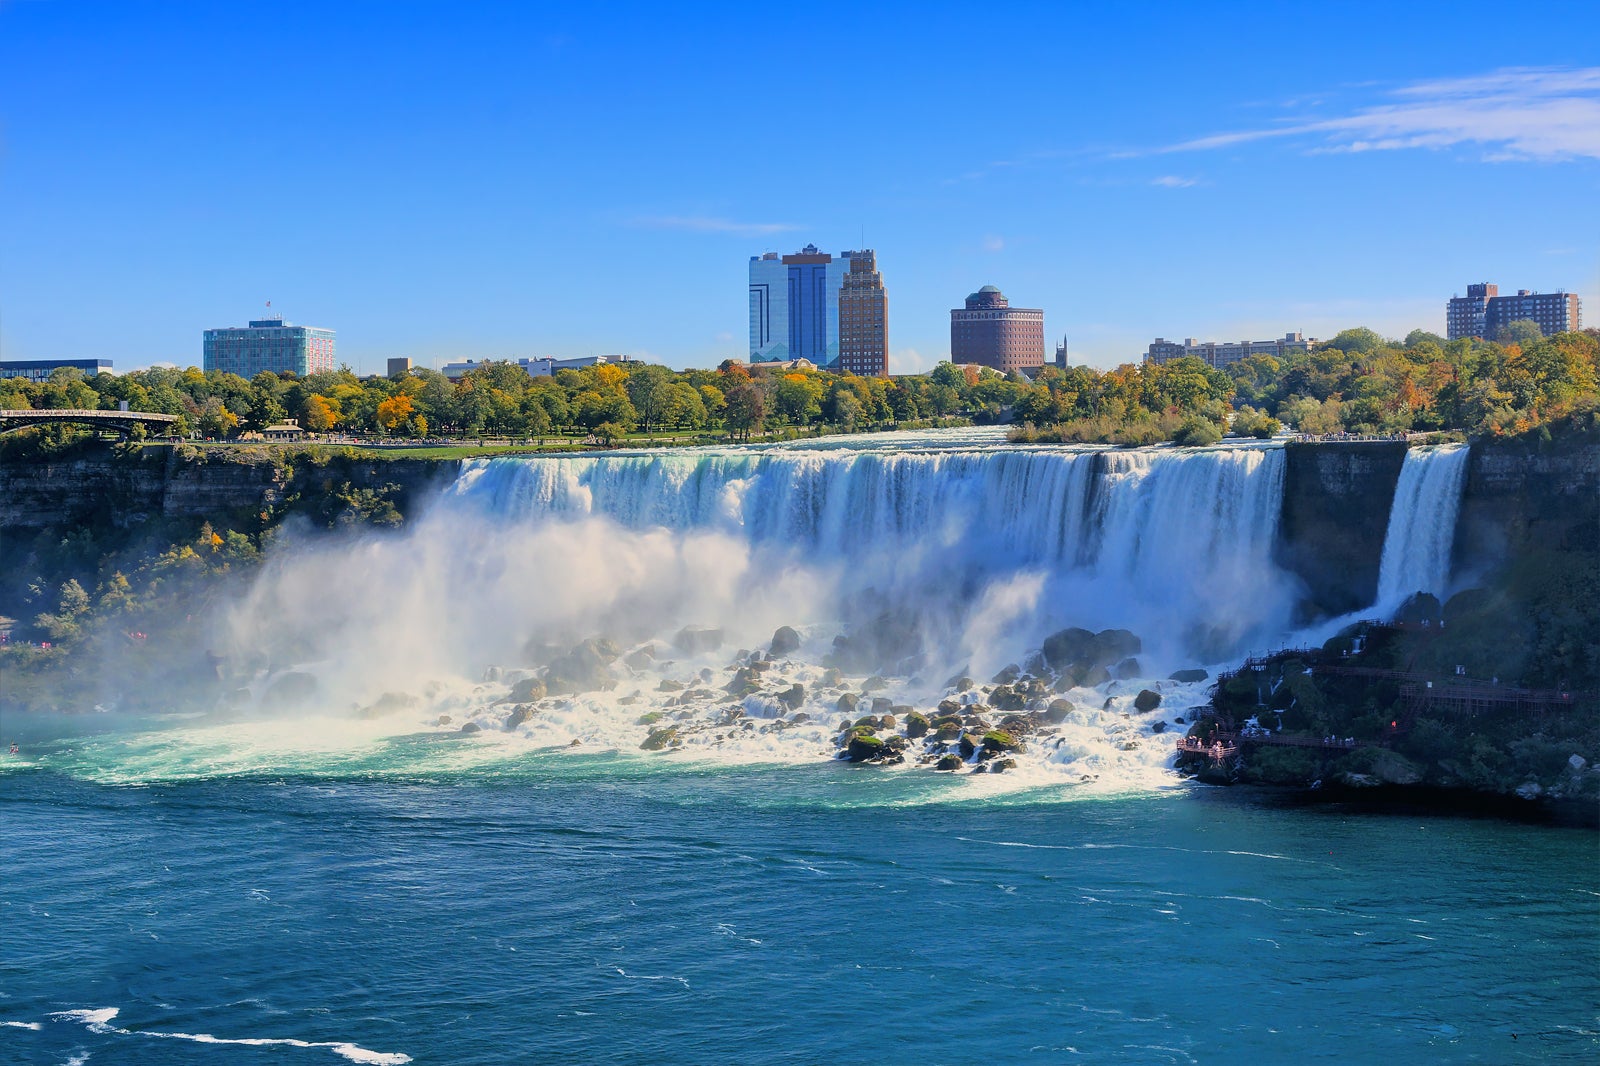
[(617, 909)]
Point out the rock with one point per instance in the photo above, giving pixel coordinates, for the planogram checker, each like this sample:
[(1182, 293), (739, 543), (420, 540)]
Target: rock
[(1577, 764), (491, 674), (871, 721), (288, 688), (1392, 768), (916, 725), (967, 748), (784, 641), (1179, 720), (895, 744), (949, 706), (470, 727), (1007, 675), (650, 718), (881, 704), (1057, 712), (962, 684), (1159, 727), (744, 682), (948, 731), (445, 719), (527, 690), (889, 721), (660, 738), (517, 716), (697, 640), (641, 658), (1006, 698), (948, 763), (793, 696), (1000, 766), (1530, 791), (997, 740), (1350, 780), (1126, 670), (669, 685), (875, 683), (1066, 648), (863, 747), (583, 669), (1093, 676), (1188, 675), (1146, 701), (390, 703), (847, 703), (833, 677)]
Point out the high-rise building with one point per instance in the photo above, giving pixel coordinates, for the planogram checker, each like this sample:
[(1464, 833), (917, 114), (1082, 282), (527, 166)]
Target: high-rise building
[(794, 305), (1464, 316), (1221, 353), (992, 333), (1483, 312), (399, 367), (863, 317), (269, 344)]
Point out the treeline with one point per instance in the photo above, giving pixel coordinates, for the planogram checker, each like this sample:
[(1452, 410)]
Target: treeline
[(1356, 383), (608, 400)]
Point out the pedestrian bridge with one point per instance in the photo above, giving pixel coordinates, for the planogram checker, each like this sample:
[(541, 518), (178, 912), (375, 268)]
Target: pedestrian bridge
[(121, 421)]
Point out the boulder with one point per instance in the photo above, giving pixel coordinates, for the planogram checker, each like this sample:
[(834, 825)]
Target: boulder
[(833, 677), (669, 685), (948, 731), (875, 683), (967, 748), (1158, 727), (916, 725), (470, 727), (641, 658), (793, 696), (445, 719), (848, 702), (660, 738), (1146, 701), (1188, 675), (527, 690), (1577, 764), (948, 763), (784, 642), (1067, 648), (1007, 675), (1126, 670), (517, 716), (697, 640), (1000, 766), (1006, 698), (1057, 712), (1530, 791), (1092, 676), (998, 740), (585, 668), (881, 705), (744, 682), (863, 747)]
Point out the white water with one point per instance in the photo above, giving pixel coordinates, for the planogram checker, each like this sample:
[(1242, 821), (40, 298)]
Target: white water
[(977, 549), (1422, 525)]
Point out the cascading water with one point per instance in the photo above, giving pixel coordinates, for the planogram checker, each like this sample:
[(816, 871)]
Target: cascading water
[(1422, 525)]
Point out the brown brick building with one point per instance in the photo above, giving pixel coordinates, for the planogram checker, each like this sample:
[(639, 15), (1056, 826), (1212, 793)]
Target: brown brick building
[(863, 318), (991, 332)]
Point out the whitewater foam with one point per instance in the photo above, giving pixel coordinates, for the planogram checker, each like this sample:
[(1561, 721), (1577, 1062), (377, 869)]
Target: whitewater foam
[(99, 1020)]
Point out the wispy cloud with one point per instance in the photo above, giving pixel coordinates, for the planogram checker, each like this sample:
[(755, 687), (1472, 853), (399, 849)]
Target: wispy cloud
[(1544, 114), (1172, 181), (707, 224), (994, 243)]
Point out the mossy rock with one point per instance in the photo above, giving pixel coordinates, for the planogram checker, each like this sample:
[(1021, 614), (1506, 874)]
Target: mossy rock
[(871, 720), (948, 731), (864, 747), (917, 726), (999, 740), (948, 763), (650, 718), (660, 738)]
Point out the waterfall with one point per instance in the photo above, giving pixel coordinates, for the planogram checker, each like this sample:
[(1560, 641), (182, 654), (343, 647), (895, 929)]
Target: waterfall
[(1158, 539), (1422, 525)]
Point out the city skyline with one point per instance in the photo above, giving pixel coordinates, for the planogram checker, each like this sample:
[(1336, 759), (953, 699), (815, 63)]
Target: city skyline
[(463, 184)]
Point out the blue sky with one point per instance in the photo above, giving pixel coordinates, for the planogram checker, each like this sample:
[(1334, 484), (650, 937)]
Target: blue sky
[(448, 180)]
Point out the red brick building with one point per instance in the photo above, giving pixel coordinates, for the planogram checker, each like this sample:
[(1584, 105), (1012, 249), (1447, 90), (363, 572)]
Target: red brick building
[(990, 332)]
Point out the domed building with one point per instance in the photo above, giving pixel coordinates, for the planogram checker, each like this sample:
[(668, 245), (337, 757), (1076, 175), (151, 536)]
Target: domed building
[(990, 332)]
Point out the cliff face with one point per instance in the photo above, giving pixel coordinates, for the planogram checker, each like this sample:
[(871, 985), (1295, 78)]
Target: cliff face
[(1520, 495), (1336, 500), (101, 486)]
